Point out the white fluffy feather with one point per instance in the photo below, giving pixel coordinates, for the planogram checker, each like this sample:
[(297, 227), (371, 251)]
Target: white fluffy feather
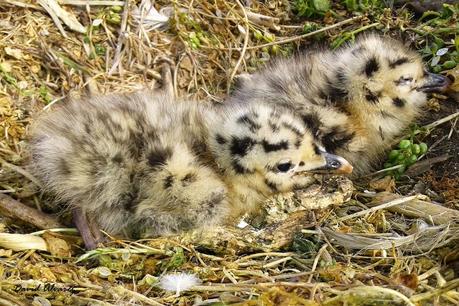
[(178, 282)]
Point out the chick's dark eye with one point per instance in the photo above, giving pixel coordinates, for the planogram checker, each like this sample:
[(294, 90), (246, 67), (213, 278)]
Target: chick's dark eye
[(284, 167)]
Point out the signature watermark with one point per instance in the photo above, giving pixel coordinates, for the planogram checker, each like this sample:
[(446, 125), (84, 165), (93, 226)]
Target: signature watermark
[(49, 287)]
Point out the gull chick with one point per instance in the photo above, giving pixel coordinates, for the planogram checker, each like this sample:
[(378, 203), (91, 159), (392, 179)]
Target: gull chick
[(357, 99), (144, 164)]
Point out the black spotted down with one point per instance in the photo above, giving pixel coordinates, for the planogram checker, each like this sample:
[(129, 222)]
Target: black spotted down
[(398, 102), (371, 96), (336, 91), (130, 199), (371, 67), (188, 179), (168, 181), (298, 143), (271, 185), (220, 139), (336, 139), (64, 167), (240, 169), (249, 122), (340, 76), (241, 146), (312, 122), (158, 157), (398, 62), (274, 127), (270, 147), (292, 128), (118, 158)]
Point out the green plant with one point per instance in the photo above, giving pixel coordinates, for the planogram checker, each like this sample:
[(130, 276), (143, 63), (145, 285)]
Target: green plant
[(406, 155), (310, 8), (440, 30), (44, 94), (362, 5)]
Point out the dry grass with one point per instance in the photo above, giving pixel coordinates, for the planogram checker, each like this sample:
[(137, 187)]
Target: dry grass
[(357, 254)]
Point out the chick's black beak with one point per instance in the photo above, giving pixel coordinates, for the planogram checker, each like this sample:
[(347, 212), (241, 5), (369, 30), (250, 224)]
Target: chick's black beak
[(334, 164), (434, 83)]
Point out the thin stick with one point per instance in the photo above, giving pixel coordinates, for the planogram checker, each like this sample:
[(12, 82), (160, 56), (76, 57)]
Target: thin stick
[(121, 39), (316, 261), (277, 262), (244, 47), (53, 15), (265, 255), (15, 209), (229, 276), (248, 287), (379, 207), (436, 292), (52, 7), (19, 170), (441, 121), (369, 291), (70, 230), (138, 296), (93, 2), (453, 127), (429, 126), (262, 20), (295, 38), (22, 4)]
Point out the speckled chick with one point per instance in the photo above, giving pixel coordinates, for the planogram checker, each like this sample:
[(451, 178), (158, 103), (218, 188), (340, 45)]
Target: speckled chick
[(143, 164), (358, 99)]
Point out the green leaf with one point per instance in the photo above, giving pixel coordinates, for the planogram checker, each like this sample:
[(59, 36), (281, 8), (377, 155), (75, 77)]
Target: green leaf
[(449, 64), (44, 94), (393, 155), (416, 149), (404, 144), (310, 27), (321, 5), (177, 260), (304, 245), (351, 5), (401, 169), (423, 147), (411, 160), (387, 165)]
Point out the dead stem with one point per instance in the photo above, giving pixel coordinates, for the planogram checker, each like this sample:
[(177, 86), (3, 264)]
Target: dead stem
[(244, 47)]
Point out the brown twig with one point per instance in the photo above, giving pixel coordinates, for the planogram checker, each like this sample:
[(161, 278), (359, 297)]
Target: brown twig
[(425, 165), (11, 208), (244, 47), (121, 38)]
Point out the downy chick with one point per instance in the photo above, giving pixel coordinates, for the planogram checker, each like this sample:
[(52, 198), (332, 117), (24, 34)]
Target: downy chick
[(143, 164), (358, 99)]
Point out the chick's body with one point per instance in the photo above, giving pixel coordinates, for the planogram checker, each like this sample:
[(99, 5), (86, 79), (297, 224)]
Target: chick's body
[(358, 98), (108, 156), (143, 164)]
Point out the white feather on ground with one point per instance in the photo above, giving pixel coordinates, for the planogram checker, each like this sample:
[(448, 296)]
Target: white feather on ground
[(147, 16), (178, 282)]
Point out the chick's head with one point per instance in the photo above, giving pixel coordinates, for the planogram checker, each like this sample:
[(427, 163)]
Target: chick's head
[(270, 146), (387, 76)]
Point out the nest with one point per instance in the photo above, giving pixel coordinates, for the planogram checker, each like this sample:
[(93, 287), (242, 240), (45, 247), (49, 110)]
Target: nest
[(368, 248)]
